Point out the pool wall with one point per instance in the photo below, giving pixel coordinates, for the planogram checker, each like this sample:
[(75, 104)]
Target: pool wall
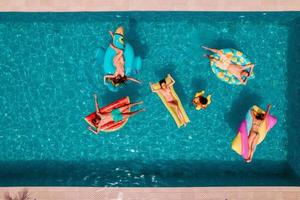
[(293, 96)]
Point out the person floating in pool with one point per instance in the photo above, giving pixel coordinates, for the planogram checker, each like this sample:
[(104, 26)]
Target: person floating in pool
[(258, 119), (119, 76), (200, 101), (240, 72), (113, 116), (165, 91)]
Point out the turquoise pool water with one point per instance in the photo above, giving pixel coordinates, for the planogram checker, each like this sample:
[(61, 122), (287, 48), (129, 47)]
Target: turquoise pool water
[(48, 77)]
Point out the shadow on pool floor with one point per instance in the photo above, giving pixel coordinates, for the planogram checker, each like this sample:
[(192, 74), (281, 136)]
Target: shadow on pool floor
[(137, 173), (293, 95)]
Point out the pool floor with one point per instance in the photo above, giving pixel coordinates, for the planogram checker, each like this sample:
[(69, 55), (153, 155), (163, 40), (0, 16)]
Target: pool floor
[(48, 77)]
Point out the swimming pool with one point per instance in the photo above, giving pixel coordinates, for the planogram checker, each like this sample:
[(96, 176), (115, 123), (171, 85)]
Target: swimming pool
[(48, 77)]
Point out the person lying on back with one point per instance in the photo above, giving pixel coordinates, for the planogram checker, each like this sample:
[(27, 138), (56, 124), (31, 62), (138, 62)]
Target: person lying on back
[(114, 116), (166, 92), (240, 72), (258, 119)]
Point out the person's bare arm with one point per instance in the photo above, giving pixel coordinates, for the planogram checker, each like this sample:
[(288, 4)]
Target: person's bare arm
[(152, 88), (268, 110), (251, 69), (252, 114), (210, 49), (172, 80), (134, 80), (111, 34), (92, 130), (115, 48), (108, 76), (243, 82), (96, 104)]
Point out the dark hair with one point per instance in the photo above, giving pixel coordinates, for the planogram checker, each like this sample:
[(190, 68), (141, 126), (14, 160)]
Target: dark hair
[(210, 56), (162, 81), (96, 118), (203, 100), (260, 116), (118, 81)]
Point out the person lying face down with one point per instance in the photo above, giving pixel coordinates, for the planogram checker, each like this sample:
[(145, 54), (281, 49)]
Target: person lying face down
[(113, 116), (166, 92), (258, 119), (240, 72)]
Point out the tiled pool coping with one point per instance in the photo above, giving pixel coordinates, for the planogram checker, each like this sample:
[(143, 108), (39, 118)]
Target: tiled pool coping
[(147, 5), (192, 193)]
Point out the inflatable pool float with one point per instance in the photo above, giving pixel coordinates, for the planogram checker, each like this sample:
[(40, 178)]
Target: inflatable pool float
[(133, 64), (201, 93), (113, 125), (236, 57), (240, 142), (156, 86)]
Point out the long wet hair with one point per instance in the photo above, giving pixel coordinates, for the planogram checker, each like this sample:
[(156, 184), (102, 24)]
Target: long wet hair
[(203, 100), (260, 116), (118, 81), (95, 120), (162, 81)]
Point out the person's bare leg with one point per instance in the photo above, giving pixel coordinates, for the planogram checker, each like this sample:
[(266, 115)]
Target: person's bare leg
[(178, 111), (133, 104), (130, 114), (250, 141), (253, 147), (210, 49)]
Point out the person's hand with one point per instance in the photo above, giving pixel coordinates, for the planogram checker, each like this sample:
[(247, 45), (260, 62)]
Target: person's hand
[(111, 34), (90, 128)]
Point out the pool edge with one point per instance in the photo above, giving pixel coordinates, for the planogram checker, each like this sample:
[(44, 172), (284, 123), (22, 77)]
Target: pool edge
[(153, 5), (192, 193)]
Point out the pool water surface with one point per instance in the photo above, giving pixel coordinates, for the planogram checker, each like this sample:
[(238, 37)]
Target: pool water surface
[(48, 77)]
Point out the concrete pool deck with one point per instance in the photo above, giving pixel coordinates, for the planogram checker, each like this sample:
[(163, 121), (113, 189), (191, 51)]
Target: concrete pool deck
[(192, 193), (152, 5)]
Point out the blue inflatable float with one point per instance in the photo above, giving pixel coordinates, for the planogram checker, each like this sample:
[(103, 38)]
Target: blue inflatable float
[(133, 64)]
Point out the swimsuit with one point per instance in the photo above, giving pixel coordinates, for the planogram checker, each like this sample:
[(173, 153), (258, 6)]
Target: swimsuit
[(116, 115)]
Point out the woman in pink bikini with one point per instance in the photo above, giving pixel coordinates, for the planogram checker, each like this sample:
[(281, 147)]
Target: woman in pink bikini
[(165, 91)]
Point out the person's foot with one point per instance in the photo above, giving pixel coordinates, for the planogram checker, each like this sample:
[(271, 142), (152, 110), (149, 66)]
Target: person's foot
[(140, 102)]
